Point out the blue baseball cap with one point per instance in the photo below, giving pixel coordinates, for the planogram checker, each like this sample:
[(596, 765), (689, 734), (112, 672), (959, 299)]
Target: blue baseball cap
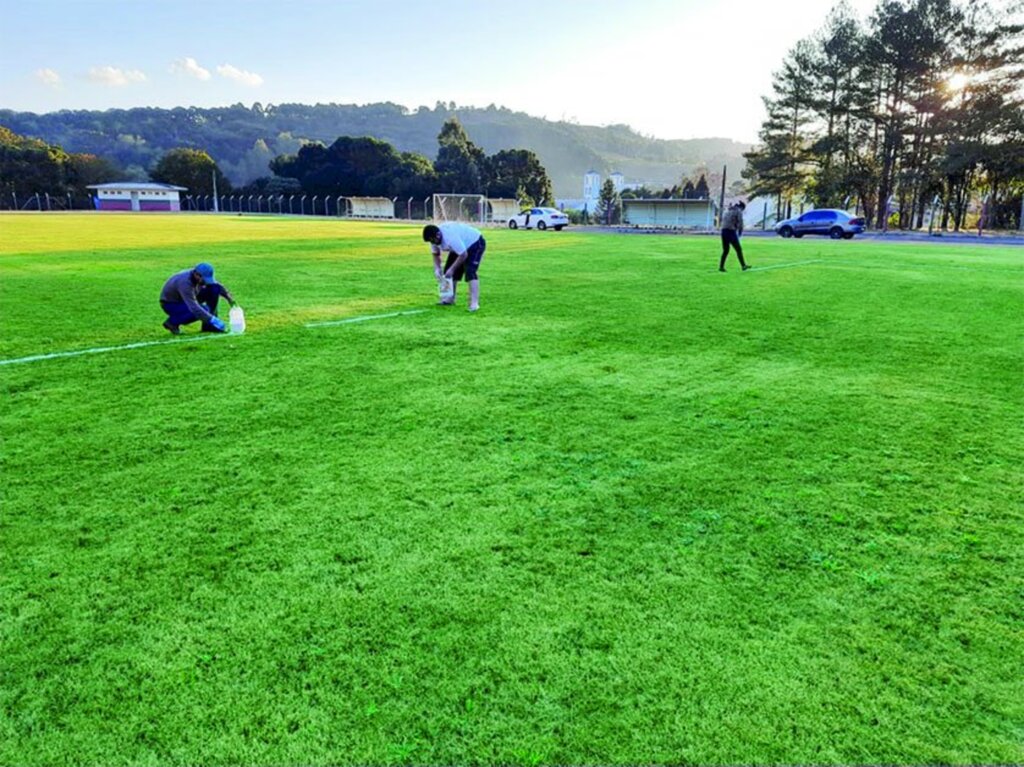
[(205, 271)]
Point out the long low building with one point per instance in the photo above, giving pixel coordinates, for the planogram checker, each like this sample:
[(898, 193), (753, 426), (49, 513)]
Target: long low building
[(137, 196), (670, 214)]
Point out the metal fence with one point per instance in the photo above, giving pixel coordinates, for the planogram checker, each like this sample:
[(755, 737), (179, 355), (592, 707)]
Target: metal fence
[(335, 206), (267, 204)]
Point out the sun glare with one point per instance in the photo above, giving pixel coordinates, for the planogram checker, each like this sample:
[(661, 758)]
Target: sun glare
[(957, 82)]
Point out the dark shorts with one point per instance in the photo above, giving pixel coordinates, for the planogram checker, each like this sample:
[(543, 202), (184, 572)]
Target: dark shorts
[(467, 268)]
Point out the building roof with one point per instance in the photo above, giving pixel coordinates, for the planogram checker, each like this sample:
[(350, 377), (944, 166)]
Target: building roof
[(139, 186), (668, 200)]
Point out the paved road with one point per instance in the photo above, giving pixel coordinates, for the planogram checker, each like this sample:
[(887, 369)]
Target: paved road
[(894, 237)]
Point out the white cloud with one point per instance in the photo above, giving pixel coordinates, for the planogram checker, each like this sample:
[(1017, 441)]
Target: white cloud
[(115, 77), (189, 66), (48, 77), (239, 75)]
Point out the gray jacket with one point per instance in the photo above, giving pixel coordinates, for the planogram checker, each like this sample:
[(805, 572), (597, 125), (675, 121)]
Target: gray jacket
[(181, 289), (733, 219)]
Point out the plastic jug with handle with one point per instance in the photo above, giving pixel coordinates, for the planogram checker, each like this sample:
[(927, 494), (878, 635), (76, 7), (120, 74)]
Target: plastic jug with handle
[(236, 318)]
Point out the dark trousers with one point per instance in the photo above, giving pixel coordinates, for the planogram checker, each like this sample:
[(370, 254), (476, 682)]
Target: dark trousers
[(469, 267), (179, 314), (729, 237)]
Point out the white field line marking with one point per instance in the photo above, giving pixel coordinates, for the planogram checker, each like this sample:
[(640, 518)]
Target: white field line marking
[(904, 266), (143, 344), (361, 319), (102, 349), (783, 266)]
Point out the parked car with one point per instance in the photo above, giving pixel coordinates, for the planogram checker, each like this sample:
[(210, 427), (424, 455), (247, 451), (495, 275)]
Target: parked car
[(539, 218), (837, 224)]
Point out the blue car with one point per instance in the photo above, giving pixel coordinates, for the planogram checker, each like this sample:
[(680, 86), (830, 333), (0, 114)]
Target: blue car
[(837, 224)]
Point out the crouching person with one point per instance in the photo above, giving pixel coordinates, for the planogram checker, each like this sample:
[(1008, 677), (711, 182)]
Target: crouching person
[(193, 295)]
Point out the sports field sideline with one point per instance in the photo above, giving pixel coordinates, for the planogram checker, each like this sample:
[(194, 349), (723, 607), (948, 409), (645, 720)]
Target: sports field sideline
[(633, 510)]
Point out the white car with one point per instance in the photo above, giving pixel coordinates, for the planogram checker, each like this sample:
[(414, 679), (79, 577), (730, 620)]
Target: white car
[(539, 218)]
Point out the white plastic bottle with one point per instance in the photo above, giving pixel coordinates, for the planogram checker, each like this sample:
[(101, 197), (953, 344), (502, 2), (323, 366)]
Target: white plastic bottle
[(446, 290), (236, 317)]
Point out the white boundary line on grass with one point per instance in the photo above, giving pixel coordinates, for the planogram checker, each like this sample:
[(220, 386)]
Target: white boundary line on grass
[(783, 266), (102, 349), (362, 319), (143, 344), (889, 266)]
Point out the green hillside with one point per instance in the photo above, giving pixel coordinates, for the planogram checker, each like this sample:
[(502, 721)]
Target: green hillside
[(244, 139)]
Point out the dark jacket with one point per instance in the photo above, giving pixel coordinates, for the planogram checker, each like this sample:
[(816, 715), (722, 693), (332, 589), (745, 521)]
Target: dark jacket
[(733, 219), (181, 288)]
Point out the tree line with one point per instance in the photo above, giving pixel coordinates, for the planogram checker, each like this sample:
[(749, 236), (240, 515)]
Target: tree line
[(918, 108), (243, 139), (350, 166), (29, 166), (370, 167)]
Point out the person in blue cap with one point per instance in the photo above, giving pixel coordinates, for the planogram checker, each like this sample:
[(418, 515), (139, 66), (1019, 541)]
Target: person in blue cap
[(193, 295)]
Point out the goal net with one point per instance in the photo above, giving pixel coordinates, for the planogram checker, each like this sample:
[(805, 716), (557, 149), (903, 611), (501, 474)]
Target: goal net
[(459, 207)]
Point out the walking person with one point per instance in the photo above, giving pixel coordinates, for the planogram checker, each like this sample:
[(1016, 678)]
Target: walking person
[(193, 295), (465, 246), (732, 229)]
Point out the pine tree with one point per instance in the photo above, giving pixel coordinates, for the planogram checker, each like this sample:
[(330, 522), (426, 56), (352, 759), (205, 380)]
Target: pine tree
[(459, 161), (778, 167), (702, 191), (609, 205)]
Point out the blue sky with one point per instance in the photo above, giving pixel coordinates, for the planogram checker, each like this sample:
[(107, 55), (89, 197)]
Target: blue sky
[(669, 68)]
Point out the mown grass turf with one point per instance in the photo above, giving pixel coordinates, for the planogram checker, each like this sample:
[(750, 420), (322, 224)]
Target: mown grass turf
[(632, 511)]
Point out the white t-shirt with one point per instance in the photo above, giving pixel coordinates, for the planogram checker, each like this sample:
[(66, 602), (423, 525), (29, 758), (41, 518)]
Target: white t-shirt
[(456, 237)]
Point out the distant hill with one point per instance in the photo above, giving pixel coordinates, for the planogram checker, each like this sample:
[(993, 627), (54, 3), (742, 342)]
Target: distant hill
[(244, 139)]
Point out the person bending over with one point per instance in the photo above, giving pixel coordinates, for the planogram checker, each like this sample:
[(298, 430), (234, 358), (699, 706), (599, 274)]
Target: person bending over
[(465, 246)]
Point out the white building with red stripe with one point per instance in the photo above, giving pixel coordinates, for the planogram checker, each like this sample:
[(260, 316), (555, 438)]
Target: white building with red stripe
[(137, 196)]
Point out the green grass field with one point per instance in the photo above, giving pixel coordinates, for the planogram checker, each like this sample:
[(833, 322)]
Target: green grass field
[(632, 511)]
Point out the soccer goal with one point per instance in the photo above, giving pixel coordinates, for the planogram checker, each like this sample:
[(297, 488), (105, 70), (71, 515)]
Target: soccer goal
[(459, 207)]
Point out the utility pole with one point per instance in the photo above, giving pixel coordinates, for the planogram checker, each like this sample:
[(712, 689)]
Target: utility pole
[(721, 197), (216, 207)]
